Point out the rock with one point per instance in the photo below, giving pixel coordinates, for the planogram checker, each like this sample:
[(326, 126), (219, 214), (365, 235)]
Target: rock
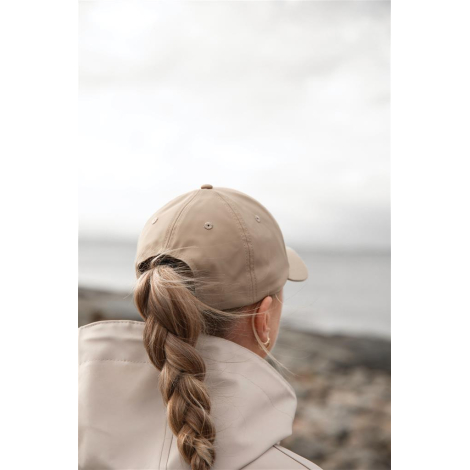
[(343, 390)]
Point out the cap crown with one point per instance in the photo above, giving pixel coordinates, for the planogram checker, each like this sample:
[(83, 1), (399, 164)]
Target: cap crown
[(227, 238)]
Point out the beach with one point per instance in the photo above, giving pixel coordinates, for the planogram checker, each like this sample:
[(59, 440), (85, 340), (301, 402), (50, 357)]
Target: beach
[(342, 384)]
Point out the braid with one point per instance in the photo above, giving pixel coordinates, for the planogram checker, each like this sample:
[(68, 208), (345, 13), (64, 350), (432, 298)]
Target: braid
[(173, 323)]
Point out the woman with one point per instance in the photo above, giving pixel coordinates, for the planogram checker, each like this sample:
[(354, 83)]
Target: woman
[(188, 387)]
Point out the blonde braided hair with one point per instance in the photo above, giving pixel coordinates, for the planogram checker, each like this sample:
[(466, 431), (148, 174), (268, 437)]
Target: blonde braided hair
[(174, 319)]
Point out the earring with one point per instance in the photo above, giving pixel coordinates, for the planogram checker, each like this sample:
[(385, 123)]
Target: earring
[(267, 343)]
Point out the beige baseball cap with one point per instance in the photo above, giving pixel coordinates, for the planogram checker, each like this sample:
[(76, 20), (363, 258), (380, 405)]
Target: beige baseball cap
[(229, 240)]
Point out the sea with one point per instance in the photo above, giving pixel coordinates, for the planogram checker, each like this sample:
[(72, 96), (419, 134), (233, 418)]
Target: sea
[(347, 292)]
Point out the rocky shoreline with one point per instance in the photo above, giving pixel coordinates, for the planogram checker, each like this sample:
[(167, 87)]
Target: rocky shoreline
[(343, 389), (342, 384)]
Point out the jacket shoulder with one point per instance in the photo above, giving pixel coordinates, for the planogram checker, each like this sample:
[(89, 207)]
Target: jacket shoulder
[(279, 458)]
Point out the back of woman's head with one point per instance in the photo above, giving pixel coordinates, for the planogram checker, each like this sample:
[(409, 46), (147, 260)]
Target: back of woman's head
[(204, 260)]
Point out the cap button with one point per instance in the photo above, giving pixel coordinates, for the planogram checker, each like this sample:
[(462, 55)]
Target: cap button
[(206, 186)]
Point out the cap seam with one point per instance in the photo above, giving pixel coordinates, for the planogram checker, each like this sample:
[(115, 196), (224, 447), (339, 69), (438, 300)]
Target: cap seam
[(172, 227), (248, 246)]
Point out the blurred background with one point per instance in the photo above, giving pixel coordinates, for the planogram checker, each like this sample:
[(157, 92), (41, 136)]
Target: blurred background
[(288, 102)]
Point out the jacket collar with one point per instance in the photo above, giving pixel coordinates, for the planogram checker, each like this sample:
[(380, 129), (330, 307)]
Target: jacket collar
[(253, 406)]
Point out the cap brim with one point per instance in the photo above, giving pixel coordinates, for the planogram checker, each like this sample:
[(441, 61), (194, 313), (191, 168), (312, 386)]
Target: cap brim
[(297, 269)]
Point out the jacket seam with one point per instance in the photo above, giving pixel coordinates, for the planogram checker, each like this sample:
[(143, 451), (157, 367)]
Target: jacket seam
[(169, 449), (114, 360), (163, 445), (96, 323), (287, 455)]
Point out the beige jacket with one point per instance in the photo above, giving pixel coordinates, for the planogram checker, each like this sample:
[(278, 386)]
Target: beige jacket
[(122, 423)]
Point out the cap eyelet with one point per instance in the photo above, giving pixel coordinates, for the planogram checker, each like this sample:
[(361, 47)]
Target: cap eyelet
[(154, 220), (208, 225), (258, 218)]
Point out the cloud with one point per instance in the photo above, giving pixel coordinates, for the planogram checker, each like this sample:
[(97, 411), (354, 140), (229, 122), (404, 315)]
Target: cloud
[(287, 101)]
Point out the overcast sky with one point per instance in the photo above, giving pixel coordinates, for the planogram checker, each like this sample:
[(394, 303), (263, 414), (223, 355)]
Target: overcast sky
[(286, 101)]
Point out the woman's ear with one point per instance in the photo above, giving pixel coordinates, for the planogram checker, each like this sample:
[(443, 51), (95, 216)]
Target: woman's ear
[(261, 319)]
